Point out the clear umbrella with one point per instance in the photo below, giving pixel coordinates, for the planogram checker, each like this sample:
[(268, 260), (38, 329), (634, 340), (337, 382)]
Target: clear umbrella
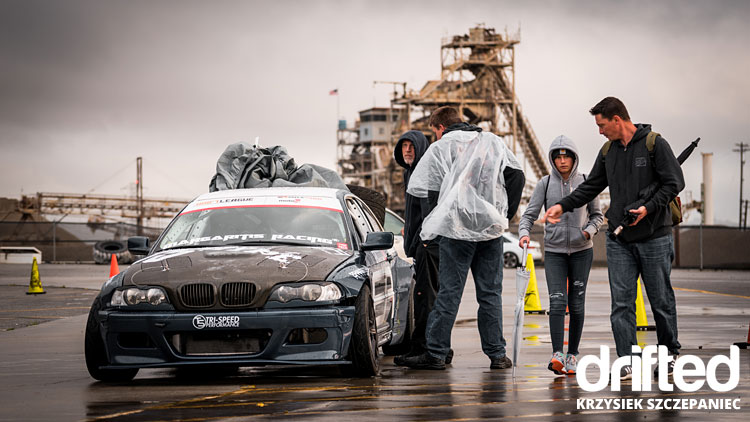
[(522, 282)]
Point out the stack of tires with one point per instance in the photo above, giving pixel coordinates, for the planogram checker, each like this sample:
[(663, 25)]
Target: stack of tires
[(104, 250)]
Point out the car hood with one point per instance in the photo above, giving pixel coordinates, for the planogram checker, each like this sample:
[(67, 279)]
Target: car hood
[(263, 266)]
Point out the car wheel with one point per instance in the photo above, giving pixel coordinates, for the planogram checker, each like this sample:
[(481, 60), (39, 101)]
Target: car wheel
[(364, 344), (405, 345), (96, 354), (510, 260)]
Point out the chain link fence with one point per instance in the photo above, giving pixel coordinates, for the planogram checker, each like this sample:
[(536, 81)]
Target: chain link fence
[(70, 242)]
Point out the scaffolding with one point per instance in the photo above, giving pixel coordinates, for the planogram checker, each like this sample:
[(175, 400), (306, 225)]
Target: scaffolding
[(477, 78)]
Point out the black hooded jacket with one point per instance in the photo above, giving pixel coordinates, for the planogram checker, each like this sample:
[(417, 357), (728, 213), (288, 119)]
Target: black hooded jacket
[(627, 170), (416, 209)]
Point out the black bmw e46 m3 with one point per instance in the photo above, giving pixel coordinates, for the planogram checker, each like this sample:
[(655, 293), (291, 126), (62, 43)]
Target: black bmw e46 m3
[(247, 277)]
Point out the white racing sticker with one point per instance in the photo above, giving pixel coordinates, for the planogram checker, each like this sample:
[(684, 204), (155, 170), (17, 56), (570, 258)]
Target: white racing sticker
[(311, 239), (221, 321), (319, 202), (245, 237), (209, 239)]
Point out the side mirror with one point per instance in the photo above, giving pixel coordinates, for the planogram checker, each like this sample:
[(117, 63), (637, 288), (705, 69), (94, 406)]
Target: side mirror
[(378, 241), (138, 245)]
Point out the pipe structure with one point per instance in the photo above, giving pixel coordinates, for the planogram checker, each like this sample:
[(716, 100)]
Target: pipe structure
[(708, 192)]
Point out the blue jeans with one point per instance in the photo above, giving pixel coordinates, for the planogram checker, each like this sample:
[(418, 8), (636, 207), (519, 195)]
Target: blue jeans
[(652, 260), (485, 259), (567, 276)]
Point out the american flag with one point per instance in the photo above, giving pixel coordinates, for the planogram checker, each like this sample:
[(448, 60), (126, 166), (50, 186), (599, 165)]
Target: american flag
[(334, 92)]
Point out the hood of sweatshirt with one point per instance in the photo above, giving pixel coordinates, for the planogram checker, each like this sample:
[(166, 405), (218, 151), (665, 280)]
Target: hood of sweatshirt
[(420, 143), (563, 142)]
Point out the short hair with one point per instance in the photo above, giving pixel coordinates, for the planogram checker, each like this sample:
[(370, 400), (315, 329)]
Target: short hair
[(445, 116), (609, 108)]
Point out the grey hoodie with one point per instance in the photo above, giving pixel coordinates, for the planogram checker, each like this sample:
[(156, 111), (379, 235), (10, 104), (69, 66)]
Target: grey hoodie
[(567, 235)]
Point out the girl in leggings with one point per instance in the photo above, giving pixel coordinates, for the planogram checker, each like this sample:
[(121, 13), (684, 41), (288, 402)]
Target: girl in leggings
[(568, 250)]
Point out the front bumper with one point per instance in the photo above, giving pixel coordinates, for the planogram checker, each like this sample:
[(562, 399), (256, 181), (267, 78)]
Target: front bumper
[(171, 339)]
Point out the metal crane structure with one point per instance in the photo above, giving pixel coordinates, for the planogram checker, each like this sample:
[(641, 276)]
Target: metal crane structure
[(101, 208), (477, 78)]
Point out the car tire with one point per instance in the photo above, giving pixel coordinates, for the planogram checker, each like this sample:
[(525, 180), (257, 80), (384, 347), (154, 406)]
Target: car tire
[(375, 200), (96, 353), (104, 250), (405, 345), (363, 349), (510, 260)]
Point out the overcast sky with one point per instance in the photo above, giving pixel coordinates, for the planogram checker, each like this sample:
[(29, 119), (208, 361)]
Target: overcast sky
[(88, 86)]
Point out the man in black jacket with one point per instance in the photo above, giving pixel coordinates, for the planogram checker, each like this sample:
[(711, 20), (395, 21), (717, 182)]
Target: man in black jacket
[(645, 247), (409, 150)]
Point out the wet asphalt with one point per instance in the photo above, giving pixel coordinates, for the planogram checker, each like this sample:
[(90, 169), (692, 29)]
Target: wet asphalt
[(43, 374)]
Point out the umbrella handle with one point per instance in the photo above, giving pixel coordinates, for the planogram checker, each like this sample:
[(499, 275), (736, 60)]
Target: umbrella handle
[(522, 263)]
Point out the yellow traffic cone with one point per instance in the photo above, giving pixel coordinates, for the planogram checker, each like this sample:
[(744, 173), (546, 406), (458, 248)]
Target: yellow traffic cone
[(35, 285), (640, 311), (531, 303)]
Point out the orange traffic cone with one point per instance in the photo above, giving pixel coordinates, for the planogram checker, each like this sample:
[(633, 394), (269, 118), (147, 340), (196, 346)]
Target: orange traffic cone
[(113, 268)]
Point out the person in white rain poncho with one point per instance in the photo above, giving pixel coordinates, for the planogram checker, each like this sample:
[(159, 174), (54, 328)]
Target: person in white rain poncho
[(474, 184)]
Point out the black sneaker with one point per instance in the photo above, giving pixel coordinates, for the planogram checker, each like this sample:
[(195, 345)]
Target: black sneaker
[(400, 360), (424, 361), (670, 369), (626, 372), (501, 363), (449, 357)]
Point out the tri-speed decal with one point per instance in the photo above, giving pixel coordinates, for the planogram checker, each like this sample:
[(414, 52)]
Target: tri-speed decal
[(220, 321)]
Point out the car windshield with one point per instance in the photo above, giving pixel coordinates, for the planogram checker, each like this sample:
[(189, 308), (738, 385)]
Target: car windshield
[(243, 225)]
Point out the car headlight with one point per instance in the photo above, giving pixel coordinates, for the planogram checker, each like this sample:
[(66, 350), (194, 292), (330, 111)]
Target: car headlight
[(135, 296), (311, 292)]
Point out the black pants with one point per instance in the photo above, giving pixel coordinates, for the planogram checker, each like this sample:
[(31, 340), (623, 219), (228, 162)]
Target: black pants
[(567, 276), (426, 265)]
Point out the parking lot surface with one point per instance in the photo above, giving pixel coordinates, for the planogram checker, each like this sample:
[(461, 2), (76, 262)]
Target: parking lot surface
[(43, 374)]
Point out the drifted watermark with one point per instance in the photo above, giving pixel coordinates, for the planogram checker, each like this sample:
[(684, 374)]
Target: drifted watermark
[(685, 366)]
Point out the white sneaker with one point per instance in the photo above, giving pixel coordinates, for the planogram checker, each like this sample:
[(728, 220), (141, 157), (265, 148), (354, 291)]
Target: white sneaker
[(570, 364), (557, 363)]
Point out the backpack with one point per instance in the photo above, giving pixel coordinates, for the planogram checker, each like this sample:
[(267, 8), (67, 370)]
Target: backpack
[(675, 205)]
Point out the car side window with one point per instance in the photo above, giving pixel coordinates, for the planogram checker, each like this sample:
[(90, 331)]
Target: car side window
[(358, 218), (374, 223), (393, 224)]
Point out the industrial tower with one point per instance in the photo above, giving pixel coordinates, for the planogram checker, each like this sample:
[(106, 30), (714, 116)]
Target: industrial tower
[(478, 78)]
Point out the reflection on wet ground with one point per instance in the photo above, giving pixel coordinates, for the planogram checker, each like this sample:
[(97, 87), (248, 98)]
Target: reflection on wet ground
[(467, 391), (44, 377)]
